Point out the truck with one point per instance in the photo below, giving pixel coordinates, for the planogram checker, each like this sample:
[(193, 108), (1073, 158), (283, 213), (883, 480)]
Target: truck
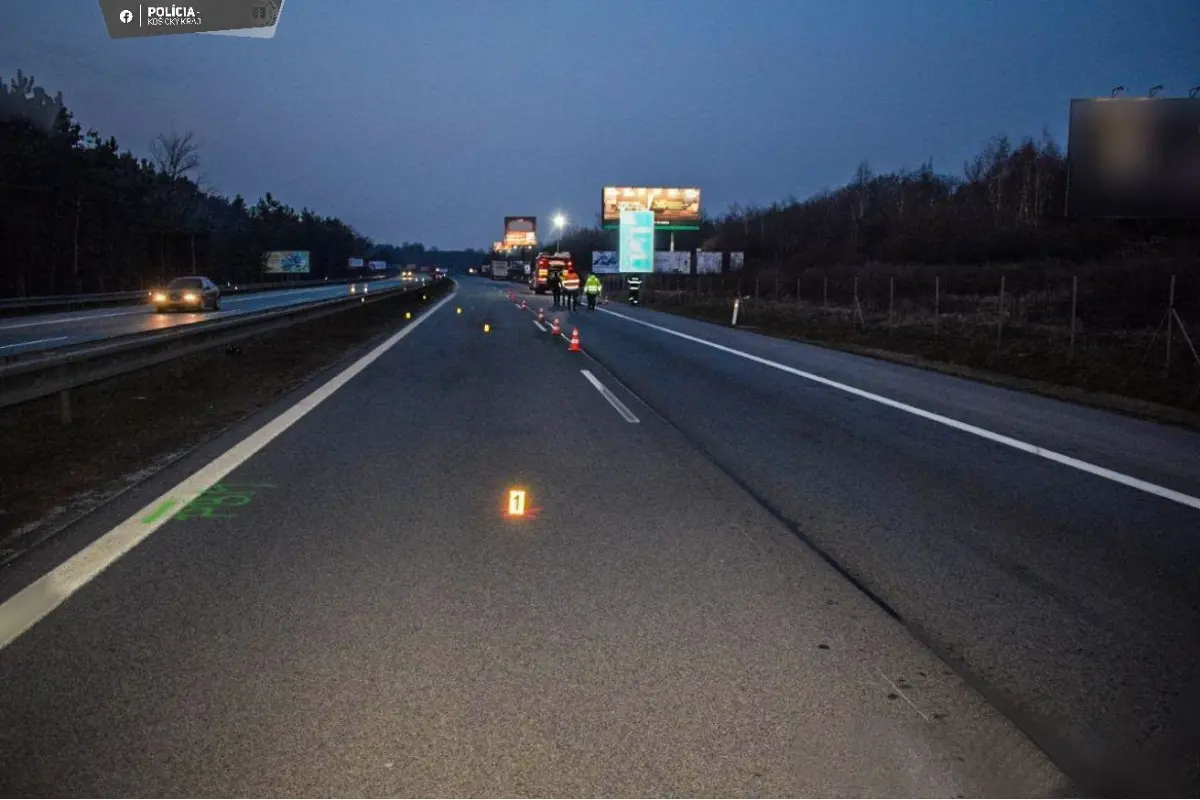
[(499, 270), (548, 264)]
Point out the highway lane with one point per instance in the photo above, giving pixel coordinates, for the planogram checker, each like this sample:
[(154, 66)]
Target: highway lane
[(369, 623), (34, 333), (1069, 597)]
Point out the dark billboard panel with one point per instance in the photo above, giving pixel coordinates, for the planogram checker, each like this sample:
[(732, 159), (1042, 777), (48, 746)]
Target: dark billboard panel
[(1133, 157), (675, 209)]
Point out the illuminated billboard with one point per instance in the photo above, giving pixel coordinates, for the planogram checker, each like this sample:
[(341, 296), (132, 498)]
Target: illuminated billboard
[(674, 209), (286, 262), (1134, 157), (520, 231)]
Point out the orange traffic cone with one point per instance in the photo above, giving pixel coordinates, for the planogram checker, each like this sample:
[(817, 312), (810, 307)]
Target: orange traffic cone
[(555, 330), (541, 315), (574, 348)]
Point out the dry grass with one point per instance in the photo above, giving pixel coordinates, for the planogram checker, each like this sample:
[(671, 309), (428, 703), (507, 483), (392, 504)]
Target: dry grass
[(1033, 344)]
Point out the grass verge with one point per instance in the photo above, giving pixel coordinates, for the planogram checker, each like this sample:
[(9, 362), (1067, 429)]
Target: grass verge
[(129, 427)]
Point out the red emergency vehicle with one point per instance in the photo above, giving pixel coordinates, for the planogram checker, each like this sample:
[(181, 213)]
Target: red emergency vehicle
[(548, 264)]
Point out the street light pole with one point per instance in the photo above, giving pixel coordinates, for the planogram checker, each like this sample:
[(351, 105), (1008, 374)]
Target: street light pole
[(559, 223)]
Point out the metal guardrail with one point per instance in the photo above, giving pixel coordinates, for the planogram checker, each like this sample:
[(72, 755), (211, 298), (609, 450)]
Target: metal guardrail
[(74, 301), (59, 371)]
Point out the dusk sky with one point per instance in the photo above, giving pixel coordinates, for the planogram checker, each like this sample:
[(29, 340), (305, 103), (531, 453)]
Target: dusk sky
[(430, 121)]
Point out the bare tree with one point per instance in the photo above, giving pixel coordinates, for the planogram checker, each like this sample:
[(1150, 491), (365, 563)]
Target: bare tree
[(175, 154)]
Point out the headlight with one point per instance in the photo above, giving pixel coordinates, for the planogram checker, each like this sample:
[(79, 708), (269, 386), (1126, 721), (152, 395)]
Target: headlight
[(189, 297), (159, 297)]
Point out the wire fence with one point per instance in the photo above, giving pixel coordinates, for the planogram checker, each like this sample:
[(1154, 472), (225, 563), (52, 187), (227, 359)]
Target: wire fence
[(1124, 331)]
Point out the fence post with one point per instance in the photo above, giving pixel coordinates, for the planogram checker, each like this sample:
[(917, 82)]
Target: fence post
[(937, 302), (891, 302), (797, 293), (825, 292), (776, 288), (1000, 314), (855, 309), (1170, 320), (1074, 300), (755, 291)]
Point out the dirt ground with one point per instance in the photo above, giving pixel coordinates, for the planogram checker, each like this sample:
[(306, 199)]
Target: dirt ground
[(126, 428)]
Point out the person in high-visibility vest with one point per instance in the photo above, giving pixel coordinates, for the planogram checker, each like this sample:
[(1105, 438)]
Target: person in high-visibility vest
[(591, 288), (571, 288)]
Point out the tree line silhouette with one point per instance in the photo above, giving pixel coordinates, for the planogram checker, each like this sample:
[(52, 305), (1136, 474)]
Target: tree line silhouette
[(1007, 206), (84, 216)]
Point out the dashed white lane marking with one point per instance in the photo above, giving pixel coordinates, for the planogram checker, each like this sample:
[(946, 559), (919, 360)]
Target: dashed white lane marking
[(612, 399)]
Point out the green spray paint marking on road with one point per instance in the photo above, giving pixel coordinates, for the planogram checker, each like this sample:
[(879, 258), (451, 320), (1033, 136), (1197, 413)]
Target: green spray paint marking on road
[(158, 513), (215, 502)]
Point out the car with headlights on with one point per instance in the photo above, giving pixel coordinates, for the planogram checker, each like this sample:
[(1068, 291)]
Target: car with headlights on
[(194, 293)]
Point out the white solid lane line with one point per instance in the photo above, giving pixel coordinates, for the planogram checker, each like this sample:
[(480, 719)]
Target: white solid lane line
[(26, 608), (540, 326), (612, 399), (983, 433), (33, 341)]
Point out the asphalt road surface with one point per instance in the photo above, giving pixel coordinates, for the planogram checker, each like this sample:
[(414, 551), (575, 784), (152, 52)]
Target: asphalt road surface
[(28, 334), (749, 567), (1051, 553), (348, 609)]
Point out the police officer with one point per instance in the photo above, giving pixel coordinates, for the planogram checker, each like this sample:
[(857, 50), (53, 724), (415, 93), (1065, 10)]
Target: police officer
[(635, 289), (555, 282), (591, 288)]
